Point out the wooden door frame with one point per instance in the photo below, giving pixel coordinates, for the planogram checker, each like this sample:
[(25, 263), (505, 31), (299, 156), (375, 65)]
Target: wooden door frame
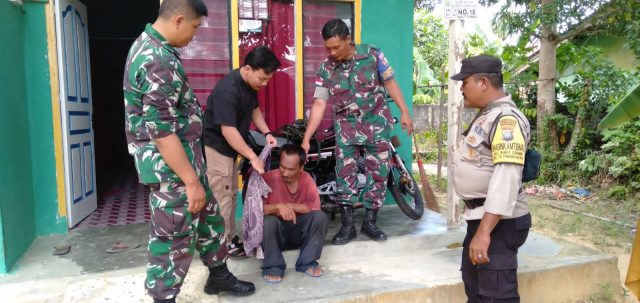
[(54, 83), (357, 19)]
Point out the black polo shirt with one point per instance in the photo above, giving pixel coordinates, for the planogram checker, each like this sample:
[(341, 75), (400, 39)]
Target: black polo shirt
[(231, 103)]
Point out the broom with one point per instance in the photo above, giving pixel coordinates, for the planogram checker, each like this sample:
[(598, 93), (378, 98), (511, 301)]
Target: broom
[(427, 192)]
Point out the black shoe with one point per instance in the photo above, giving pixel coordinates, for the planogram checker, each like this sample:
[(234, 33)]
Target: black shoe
[(347, 231), (370, 228), (173, 300), (235, 248), (220, 279)]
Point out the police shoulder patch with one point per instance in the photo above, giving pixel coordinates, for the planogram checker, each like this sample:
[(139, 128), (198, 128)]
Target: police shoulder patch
[(508, 144)]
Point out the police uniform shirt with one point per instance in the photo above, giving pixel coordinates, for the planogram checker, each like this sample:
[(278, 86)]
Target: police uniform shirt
[(489, 161)]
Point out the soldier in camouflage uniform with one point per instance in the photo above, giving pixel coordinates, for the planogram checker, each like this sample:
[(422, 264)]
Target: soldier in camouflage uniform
[(163, 128), (354, 78)]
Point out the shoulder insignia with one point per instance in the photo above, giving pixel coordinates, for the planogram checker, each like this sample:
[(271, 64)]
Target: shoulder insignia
[(471, 139), (508, 144)]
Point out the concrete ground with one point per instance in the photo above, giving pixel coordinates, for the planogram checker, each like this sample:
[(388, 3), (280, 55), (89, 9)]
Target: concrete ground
[(419, 263)]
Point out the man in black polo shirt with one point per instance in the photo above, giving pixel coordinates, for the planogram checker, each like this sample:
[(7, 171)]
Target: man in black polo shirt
[(231, 107)]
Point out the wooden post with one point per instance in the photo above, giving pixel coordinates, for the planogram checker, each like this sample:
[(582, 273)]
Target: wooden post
[(456, 53), (439, 125)]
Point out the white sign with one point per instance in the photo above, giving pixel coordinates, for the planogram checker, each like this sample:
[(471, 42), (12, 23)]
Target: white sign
[(250, 26), (460, 9)]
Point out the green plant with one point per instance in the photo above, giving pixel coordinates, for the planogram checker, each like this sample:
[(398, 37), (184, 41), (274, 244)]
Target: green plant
[(607, 294), (591, 164), (623, 146), (618, 192), (433, 180), (430, 38)]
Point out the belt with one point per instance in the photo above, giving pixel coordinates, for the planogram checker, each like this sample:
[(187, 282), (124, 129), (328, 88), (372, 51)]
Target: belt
[(477, 202), (350, 112), (473, 203)]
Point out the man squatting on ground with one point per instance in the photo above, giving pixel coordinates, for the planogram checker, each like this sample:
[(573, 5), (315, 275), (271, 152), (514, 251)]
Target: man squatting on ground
[(163, 128), (292, 217)]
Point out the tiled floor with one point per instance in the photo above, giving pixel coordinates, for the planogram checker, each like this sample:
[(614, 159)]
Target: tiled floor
[(125, 202)]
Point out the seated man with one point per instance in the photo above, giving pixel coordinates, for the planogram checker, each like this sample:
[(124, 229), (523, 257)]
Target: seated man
[(292, 217)]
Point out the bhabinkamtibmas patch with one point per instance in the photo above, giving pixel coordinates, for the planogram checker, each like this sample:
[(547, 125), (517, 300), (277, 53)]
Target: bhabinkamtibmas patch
[(508, 144)]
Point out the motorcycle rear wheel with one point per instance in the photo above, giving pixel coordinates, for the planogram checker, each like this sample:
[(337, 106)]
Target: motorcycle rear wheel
[(405, 191)]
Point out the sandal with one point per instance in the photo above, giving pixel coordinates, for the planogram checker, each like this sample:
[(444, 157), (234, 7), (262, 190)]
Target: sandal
[(314, 271), (61, 250), (120, 246), (273, 281)]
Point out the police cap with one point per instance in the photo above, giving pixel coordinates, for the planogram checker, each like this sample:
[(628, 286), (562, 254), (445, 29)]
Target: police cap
[(482, 64)]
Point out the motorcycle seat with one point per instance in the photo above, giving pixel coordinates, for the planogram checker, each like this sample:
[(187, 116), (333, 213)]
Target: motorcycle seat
[(257, 139)]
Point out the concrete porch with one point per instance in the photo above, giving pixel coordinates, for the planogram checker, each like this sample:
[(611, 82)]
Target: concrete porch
[(414, 265)]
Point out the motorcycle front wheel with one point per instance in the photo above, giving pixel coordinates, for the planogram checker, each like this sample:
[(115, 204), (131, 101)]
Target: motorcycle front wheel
[(405, 191)]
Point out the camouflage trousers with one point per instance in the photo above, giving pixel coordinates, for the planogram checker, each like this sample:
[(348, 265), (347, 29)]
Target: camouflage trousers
[(175, 233), (376, 170)]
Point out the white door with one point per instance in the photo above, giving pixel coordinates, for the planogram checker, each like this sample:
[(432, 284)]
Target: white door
[(76, 109)]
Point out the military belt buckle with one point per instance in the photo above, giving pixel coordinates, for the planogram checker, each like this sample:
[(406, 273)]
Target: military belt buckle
[(350, 112), (474, 203), (356, 113)]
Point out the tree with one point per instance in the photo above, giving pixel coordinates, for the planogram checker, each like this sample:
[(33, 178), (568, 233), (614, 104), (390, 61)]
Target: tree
[(429, 54), (426, 4), (541, 25), (430, 37)]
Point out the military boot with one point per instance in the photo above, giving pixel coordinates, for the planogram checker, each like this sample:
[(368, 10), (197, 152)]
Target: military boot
[(369, 226), (347, 231), (220, 279)]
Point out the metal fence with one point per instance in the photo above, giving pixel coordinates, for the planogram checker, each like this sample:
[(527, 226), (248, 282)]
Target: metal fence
[(427, 116)]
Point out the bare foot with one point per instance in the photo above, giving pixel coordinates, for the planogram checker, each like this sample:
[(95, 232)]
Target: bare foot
[(272, 278), (314, 271)]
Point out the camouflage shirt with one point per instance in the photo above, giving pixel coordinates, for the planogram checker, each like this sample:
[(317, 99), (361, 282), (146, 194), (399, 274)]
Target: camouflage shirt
[(159, 102), (356, 89)]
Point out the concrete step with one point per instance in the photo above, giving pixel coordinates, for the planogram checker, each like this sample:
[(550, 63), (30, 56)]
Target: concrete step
[(414, 265)]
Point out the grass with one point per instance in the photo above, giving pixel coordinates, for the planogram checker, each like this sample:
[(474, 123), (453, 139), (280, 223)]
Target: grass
[(601, 234), (433, 181), (607, 294)]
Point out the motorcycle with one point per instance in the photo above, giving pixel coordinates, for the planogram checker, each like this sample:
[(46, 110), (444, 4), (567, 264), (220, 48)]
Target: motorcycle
[(321, 162)]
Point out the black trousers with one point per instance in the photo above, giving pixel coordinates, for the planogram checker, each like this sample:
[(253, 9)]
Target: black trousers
[(307, 234), (496, 281)]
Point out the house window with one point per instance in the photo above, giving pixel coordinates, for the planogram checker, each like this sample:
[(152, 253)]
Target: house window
[(315, 14), (207, 59)]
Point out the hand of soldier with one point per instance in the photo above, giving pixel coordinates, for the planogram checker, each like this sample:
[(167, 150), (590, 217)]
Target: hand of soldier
[(479, 248), (196, 197), (407, 123), (257, 164), (305, 145), (271, 140)]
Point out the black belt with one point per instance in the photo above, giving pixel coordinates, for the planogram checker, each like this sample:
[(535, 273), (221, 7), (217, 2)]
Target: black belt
[(477, 202), (473, 203)]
